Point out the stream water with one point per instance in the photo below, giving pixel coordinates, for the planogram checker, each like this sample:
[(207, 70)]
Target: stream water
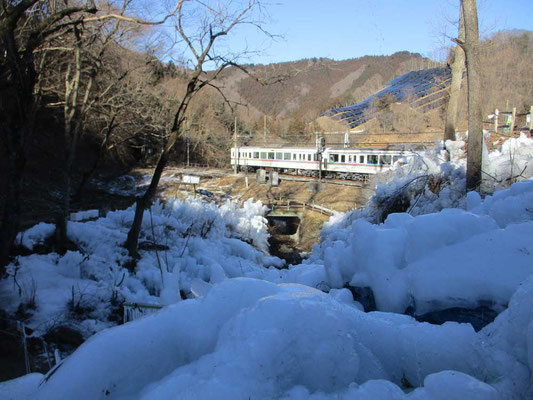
[(283, 242)]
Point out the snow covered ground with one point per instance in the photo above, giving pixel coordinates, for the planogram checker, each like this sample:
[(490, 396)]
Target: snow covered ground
[(258, 332), (198, 240)]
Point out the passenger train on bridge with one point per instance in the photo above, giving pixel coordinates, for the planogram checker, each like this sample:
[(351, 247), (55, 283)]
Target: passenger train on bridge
[(332, 162)]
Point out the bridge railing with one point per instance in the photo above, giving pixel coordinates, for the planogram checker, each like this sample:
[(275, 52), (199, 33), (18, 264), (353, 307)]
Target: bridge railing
[(296, 205)]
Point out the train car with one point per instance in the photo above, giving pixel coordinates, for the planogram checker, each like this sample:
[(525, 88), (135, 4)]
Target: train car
[(344, 163)]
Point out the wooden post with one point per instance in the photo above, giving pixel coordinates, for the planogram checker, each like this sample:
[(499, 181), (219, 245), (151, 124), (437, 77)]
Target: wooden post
[(25, 346), (57, 355), (188, 141), (513, 119), (496, 115)]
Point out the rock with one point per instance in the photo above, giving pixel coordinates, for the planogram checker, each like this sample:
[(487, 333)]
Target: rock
[(363, 295)]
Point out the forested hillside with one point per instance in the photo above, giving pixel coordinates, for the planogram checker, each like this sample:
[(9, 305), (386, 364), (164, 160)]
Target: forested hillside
[(315, 85), (309, 87)]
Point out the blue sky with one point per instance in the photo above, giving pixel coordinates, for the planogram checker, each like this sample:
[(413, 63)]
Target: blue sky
[(342, 29)]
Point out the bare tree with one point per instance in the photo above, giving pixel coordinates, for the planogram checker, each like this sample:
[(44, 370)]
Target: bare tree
[(475, 121), (215, 21), (457, 67), (87, 83), (24, 27), (32, 32)]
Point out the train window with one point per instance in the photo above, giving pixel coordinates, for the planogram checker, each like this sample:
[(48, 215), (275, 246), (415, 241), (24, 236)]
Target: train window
[(333, 158), (361, 159), (372, 159), (256, 154), (315, 157), (385, 160), (309, 157), (343, 158), (270, 155), (279, 156), (263, 155), (350, 159), (286, 156), (294, 156)]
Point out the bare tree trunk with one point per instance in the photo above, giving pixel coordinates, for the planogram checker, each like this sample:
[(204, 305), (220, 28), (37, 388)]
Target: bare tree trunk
[(201, 47), (457, 67), (9, 224), (475, 120), (74, 113), (142, 204)]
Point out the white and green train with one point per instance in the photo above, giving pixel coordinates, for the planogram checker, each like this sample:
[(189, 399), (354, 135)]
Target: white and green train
[(343, 163)]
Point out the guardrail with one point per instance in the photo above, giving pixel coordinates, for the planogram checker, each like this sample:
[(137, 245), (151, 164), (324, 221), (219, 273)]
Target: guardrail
[(193, 165)]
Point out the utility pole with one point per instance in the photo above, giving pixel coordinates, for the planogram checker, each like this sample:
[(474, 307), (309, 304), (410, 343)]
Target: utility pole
[(320, 144), (236, 167), (265, 129)]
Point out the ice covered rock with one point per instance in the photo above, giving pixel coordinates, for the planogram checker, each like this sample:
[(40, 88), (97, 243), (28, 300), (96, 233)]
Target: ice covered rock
[(250, 338)]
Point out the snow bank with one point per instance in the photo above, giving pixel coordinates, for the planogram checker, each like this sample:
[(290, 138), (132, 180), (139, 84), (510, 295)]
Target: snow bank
[(247, 221), (511, 337), (512, 161), (253, 339), (196, 240), (23, 388), (430, 262), (36, 235), (448, 250), (427, 183)]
